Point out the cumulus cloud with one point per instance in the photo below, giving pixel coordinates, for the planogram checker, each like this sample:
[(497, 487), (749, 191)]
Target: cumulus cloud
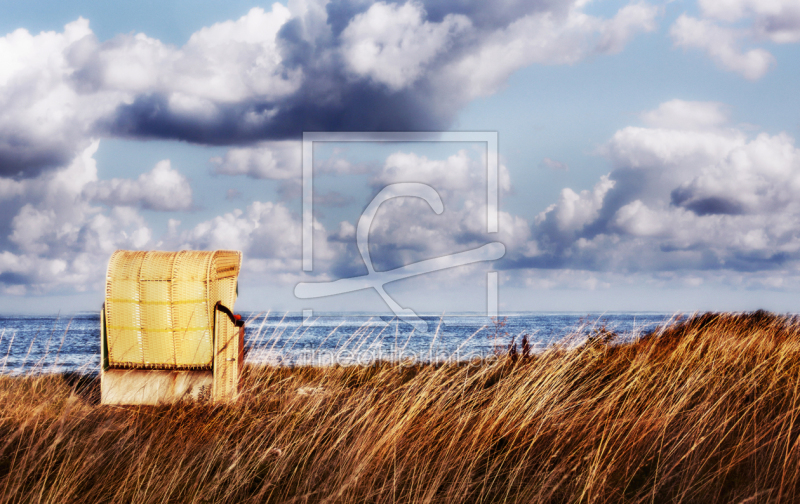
[(687, 115), (163, 189), (56, 237), (459, 172), (760, 177), (776, 20), (45, 119), (268, 234), (407, 230), (249, 231), (223, 63), (392, 44), (626, 24), (722, 45), (726, 24), (561, 35), (273, 73), (57, 234), (573, 211), (268, 160), (687, 193), (282, 160)]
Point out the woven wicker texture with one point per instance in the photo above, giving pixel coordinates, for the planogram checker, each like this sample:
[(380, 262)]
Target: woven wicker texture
[(160, 306)]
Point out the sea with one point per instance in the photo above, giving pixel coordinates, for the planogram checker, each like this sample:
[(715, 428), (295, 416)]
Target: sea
[(71, 343)]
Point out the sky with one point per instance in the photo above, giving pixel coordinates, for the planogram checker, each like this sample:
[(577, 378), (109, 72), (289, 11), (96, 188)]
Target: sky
[(647, 149)]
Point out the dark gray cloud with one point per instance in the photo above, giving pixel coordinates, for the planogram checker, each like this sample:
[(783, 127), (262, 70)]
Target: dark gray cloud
[(714, 205), (24, 158), (492, 15), (10, 278), (341, 12), (354, 107)]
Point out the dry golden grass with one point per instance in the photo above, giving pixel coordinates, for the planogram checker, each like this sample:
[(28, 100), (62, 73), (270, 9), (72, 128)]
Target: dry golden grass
[(706, 411)]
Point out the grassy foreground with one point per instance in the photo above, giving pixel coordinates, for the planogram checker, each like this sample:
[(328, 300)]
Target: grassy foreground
[(705, 411)]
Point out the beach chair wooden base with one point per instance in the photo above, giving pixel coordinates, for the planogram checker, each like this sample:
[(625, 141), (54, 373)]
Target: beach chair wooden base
[(154, 386)]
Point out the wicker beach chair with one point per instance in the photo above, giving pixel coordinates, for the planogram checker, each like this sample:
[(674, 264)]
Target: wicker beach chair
[(168, 331)]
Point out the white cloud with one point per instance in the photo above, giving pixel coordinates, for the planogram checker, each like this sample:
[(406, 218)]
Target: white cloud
[(688, 193), (226, 62), (678, 149), (57, 238), (722, 45), (574, 211), (279, 160), (392, 44), (762, 176), (58, 89), (268, 234), (626, 24), (407, 230), (726, 24), (545, 37), (44, 119), (636, 219), (163, 189), (681, 199), (58, 235), (459, 172), (776, 20), (687, 115)]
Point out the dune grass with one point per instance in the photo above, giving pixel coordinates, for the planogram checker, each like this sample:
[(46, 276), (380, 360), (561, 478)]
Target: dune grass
[(703, 411)]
